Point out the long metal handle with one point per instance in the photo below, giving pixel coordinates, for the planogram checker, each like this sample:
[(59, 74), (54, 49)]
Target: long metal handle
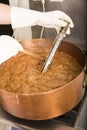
[(54, 48)]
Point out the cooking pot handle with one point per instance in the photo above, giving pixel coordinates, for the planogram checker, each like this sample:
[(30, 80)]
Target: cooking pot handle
[(0, 100), (85, 79)]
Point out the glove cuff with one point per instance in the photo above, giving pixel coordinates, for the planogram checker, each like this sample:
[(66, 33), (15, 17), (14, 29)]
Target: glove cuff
[(21, 17)]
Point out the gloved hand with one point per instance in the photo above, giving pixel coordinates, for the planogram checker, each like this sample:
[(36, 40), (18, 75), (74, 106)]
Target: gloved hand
[(56, 19), (21, 17), (9, 47)]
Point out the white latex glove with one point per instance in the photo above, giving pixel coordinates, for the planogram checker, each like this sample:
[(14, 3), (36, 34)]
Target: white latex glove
[(21, 17), (56, 19), (9, 47)]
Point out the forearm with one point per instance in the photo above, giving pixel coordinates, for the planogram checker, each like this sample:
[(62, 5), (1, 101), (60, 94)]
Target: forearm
[(5, 14)]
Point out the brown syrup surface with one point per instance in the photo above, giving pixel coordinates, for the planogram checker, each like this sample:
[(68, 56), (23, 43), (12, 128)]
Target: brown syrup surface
[(23, 73)]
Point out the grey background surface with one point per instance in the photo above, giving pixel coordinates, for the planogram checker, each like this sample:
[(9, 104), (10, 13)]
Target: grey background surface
[(76, 9)]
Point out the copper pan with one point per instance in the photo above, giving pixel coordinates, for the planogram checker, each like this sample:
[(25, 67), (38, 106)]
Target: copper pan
[(48, 104)]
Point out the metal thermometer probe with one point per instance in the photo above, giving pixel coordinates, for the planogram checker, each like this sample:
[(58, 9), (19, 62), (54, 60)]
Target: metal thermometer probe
[(53, 50)]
